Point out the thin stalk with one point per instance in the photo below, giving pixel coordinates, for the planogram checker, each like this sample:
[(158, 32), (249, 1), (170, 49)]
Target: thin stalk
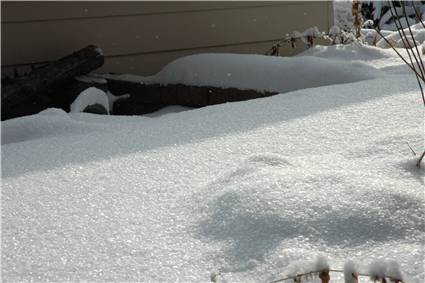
[(418, 164), (411, 34), (407, 44), (399, 55)]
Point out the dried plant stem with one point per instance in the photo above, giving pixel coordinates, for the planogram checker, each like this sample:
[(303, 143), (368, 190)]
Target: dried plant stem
[(414, 153), (420, 159), (417, 56), (414, 41), (401, 56), (406, 43)]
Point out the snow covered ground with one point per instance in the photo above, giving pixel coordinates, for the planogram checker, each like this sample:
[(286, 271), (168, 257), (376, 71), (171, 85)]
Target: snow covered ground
[(249, 189)]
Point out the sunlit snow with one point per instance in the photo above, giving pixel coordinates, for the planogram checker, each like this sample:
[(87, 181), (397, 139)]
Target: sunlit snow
[(246, 190)]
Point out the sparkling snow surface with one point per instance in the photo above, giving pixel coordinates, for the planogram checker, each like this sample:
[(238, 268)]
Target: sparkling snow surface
[(248, 189)]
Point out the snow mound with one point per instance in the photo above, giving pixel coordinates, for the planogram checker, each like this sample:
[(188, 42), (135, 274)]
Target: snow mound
[(354, 51), (394, 38), (241, 190), (261, 73), (48, 123)]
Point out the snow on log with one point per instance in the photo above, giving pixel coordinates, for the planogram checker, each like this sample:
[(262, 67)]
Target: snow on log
[(35, 86)]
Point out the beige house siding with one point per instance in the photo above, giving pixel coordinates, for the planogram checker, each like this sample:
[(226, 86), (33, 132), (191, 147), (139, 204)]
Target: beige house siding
[(141, 37)]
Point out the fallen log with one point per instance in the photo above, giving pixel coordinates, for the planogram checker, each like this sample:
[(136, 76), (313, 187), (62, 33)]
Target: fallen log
[(146, 98), (34, 88)]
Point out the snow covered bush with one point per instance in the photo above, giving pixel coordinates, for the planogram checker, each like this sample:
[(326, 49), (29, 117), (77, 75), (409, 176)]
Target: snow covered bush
[(381, 270), (306, 270), (350, 272), (310, 36), (378, 271)]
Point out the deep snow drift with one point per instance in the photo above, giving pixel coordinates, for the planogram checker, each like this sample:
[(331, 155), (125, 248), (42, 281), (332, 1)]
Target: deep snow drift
[(256, 72), (259, 72), (251, 189)]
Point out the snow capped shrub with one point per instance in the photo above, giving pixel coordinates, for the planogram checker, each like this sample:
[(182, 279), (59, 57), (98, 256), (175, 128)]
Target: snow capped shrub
[(350, 272), (393, 271), (311, 35), (301, 271), (381, 269), (377, 270), (321, 263)]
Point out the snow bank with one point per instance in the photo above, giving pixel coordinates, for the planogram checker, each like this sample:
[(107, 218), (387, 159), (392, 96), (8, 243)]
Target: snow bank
[(261, 73), (395, 39), (371, 37), (47, 124), (349, 52), (244, 189)]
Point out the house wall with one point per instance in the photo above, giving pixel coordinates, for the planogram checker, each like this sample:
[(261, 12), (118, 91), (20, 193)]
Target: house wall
[(141, 37)]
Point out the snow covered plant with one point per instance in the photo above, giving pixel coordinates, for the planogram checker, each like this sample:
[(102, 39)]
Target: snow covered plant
[(308, 37), (378, 271), (300, 271), (339, 36), (381, 270)]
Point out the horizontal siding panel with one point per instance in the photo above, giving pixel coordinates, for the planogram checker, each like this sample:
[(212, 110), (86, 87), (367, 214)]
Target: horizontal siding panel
[(44, 41), (40, 11), (149, 64)]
